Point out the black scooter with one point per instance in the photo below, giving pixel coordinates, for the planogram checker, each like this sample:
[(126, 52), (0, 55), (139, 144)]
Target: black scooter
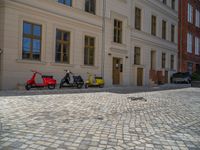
[(77, 81)]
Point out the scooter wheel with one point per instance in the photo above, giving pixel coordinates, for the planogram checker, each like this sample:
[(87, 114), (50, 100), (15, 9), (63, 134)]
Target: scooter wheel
[(28, 87), (86, 86), (51, 86), (79, 86), (101, 86)]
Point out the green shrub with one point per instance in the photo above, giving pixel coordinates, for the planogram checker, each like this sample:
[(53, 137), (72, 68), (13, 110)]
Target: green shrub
[(196, 76)]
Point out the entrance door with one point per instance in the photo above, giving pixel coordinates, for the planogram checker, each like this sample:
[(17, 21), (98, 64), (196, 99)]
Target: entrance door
[(197, 67), (139, 76), (116, 71), (166, 76)]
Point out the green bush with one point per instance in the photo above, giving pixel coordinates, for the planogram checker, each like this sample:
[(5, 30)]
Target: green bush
[(196, 76)]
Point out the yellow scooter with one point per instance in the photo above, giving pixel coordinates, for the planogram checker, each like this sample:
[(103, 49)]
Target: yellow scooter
[(94, 81)]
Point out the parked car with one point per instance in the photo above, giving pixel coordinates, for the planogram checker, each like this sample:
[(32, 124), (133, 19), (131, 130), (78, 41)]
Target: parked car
[(181, 77)]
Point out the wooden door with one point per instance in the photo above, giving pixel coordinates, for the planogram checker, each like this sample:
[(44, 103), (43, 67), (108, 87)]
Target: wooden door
[(139, 76), (166, 76), (116, 71)]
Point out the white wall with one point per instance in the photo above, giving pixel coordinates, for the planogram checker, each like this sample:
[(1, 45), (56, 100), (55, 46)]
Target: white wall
[(79, 25), (147, 42)]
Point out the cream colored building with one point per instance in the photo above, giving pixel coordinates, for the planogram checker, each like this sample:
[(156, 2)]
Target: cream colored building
[(58, 34)]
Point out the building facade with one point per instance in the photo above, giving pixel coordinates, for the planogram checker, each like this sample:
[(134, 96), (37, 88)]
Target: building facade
[(128, 42), (189, 36)]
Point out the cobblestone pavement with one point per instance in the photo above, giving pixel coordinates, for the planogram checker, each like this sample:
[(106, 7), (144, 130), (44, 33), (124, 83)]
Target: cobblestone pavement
[(169, 119)]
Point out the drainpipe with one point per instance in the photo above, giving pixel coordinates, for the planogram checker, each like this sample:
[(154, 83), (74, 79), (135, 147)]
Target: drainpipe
[(103, 38), (181, 38)]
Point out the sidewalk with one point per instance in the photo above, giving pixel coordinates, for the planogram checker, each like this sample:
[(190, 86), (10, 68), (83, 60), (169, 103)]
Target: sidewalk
[(114, 89)]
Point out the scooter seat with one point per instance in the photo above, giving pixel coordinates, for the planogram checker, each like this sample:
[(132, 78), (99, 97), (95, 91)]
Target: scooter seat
[(98, 78), (47, 76)]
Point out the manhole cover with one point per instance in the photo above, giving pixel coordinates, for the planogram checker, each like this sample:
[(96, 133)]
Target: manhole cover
[(137, 99)]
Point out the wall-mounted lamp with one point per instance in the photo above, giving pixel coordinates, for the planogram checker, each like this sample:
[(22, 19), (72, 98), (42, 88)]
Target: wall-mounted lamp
[(1, 51), (126, 57), (109, 54)]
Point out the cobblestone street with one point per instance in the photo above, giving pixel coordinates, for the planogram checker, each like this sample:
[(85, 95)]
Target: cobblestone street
[(168, 119)]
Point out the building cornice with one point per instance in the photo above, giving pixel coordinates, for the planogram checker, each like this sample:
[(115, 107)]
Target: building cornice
[(157, 5), (156, 42)]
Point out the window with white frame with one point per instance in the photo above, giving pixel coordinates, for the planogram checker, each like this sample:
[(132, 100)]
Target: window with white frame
[(197, 18), (190, 13), (189, 42), (197, 46)]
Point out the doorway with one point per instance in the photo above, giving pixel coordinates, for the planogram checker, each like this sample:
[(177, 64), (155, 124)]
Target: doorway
[(197, 67), (116, 71), (139, 76), (166, 76), (153, 60)]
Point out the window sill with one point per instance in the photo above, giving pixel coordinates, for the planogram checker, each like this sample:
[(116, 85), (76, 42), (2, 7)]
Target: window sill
[(61, 64), (118, 44), (89, 67), (30, 61)]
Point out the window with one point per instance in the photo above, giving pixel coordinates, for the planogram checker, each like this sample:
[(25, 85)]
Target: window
[(173, 4), (172, 32), (189, 42), (137, 18), (190, 13), (65, 2), (197, 46), (163, 60), (117, 31), (137, 56), (62, 46), (164, 2), (197, 18), (153, 25), (164, 29), (89, 51), (32, 36), (172, 62), (90, 6)]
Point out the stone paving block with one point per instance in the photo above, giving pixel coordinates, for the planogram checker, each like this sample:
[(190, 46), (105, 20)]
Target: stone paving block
[(168, 120)]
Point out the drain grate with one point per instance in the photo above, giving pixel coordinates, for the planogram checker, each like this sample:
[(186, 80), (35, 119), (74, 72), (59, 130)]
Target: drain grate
[(137, 99), (99, 118)]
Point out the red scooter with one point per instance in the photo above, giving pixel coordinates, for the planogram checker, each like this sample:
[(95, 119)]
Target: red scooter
[(38, 80)]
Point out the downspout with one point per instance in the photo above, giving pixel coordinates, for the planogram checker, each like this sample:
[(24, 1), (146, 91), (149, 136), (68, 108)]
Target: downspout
[(181, 38), (103, 38), (2, 46)]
